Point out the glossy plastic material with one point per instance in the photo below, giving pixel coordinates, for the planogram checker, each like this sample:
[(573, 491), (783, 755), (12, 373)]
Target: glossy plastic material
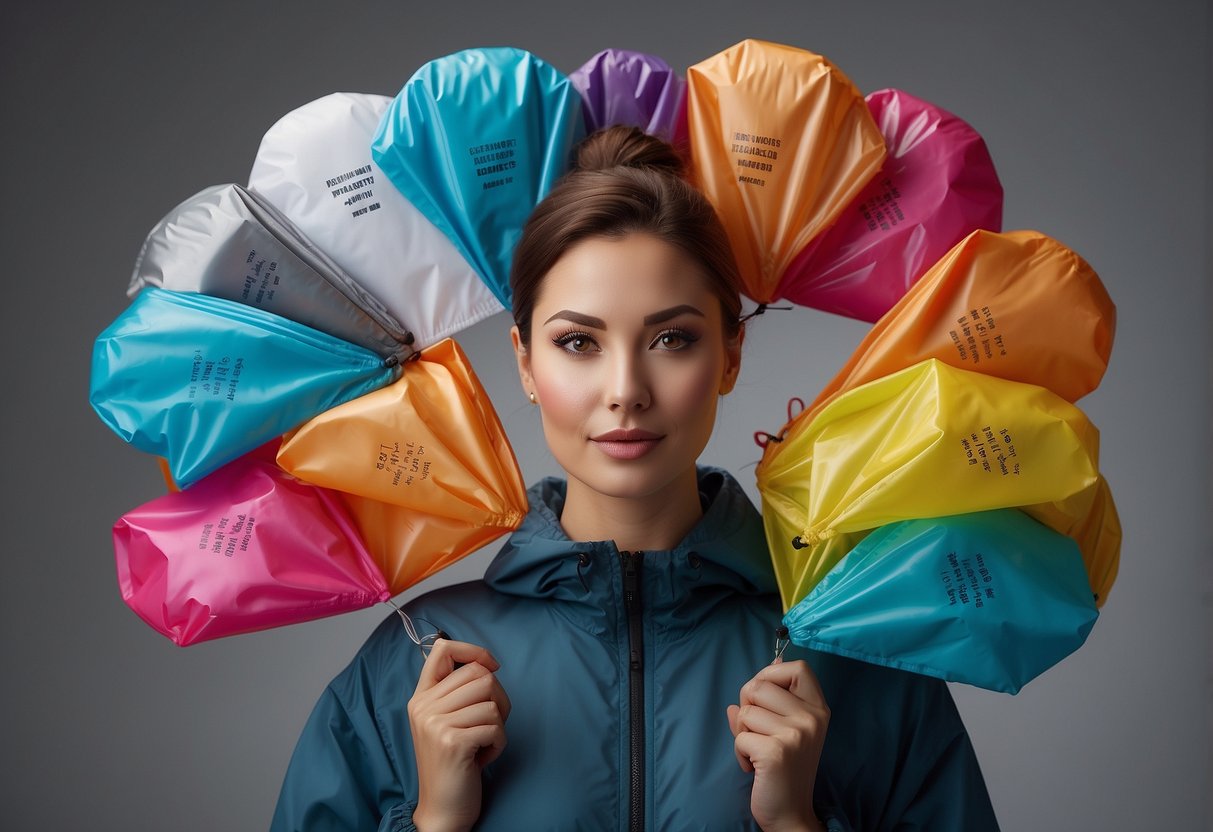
[(991, 599), (410, 545), (781, 142), (1090, 518), (315, 166), (200, 380), (431, 445), (929, 441), (231, 243), (622, 87), (475, 140), (937, 185), (798, 570), (246, 548), (1017, 305)]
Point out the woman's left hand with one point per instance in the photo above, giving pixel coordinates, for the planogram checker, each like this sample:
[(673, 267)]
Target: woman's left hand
[(779, 729)]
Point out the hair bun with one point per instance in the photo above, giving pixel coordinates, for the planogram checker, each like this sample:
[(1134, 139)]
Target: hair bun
[(631, 147)]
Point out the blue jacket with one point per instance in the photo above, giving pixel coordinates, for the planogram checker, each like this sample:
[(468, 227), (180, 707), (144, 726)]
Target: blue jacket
[(555, 614)]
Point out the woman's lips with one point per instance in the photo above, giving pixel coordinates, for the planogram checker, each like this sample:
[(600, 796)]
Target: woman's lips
[(626, 444)]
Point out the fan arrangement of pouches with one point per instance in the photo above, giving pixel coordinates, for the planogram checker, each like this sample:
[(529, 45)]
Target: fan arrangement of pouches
[(938, 507), (287, 352)]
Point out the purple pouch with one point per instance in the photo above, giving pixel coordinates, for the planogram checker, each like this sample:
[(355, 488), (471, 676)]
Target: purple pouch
[(618, 86)]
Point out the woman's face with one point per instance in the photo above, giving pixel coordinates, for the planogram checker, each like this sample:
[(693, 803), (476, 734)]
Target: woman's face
[(626, 359)]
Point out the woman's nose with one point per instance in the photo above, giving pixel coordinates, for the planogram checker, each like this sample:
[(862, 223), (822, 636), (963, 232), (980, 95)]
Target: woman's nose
[(628, 387)]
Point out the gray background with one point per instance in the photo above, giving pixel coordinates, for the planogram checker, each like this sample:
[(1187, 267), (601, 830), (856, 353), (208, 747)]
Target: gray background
[(1096, 113)]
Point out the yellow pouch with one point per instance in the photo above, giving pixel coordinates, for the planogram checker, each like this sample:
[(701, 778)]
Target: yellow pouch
[(782, 142), (928, 441), (798, 570)]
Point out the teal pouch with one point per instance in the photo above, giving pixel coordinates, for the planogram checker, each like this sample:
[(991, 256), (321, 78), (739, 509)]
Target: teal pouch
[(991, 599), (474, 141), (200, 380)]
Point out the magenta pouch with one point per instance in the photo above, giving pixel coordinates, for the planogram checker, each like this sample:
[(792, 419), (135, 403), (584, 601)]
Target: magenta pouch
[(938, 184), (246, 548), (618, 86)]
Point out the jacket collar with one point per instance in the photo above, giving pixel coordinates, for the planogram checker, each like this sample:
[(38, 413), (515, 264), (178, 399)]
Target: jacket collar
[(724, 553)]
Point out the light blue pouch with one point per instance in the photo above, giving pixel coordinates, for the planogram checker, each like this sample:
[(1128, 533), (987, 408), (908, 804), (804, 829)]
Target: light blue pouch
[(200, 380), (474, 141), (992, 599)]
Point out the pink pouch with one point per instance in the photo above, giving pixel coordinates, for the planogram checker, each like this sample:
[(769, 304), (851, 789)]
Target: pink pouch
[(246, 548), (937, 185)]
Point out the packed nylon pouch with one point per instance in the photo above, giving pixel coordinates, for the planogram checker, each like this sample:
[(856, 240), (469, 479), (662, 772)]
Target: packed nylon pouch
[(430, 445), (1090, 518), (314, 165), (991, 599), (928, 441), (1018, 305), (200, 380), (797, 570), (937, 185), (231, 243), (618, 86), (246, 548), (411, 545), (781, 142), (475, 140)]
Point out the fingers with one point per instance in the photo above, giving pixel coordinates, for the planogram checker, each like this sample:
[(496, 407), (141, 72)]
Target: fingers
[(770, 710), (461, 716), (734, 725), (782, 708), (449, 689), (795, 677), (786, 690), (469, 684), (490, 741), (445, 654)]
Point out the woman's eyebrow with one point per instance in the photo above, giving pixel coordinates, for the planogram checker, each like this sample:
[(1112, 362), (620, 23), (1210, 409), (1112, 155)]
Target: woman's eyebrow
[(649, 320), (578, 318), (672, 312)]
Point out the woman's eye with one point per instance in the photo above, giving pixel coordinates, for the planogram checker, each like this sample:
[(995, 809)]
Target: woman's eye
[(575, 342), (675, 340)]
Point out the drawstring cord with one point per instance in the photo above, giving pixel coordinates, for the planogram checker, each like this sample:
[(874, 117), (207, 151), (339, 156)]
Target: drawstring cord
[(761, 437), (424, 643)]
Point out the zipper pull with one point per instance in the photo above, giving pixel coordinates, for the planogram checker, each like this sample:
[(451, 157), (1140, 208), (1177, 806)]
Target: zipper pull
[(631, 574), (631, 598)]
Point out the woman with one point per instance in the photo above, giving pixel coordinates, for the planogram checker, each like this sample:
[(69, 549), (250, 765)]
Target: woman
[(613, 670)]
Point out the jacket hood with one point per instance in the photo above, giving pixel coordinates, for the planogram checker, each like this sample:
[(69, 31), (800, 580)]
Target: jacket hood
[(725, 551)]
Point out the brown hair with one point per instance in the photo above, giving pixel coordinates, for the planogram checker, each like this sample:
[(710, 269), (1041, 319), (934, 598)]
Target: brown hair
[(624, 181)]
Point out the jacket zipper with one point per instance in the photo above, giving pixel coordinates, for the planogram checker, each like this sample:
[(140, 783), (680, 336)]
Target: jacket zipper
[(633, 608)]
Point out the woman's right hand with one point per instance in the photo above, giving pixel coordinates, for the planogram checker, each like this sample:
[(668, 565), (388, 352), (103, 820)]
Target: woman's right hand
[(457, 717)]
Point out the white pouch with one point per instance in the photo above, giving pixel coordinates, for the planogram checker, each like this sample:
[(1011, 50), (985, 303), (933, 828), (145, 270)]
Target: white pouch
[(315, 166)]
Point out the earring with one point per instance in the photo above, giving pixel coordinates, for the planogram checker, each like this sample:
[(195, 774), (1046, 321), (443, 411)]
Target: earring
[(533, 398)]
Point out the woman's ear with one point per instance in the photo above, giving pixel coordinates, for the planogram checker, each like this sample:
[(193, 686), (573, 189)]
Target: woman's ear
[(732, 364), (523, 357)]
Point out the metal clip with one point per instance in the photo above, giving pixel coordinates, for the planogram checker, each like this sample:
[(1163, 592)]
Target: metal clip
[(781, 643), (424, 643)]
